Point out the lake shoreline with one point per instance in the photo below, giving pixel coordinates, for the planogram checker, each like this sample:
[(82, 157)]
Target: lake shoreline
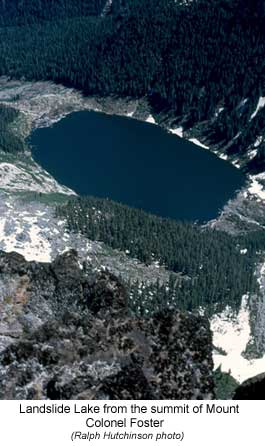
[(137, 164), (44, 103)]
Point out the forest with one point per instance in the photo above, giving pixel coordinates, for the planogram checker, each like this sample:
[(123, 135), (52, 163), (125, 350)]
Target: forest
[(201, 61), (27, 12), (9, 141), (213, 272), (196, 60)]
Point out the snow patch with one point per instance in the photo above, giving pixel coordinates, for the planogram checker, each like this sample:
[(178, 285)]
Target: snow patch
[(150, 119), (252, 154), (24, 235), (236, 164), (178, 131), (218, 111), (256, 188), (243, 251), (242, 103), (198, 143), (258, 141), (232, 334), (32, 230), (236, 136), (260, 105)]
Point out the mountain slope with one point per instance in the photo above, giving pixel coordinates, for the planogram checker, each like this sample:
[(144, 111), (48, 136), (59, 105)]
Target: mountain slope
[(170, 53), (29, 226), (65, 333), (197, 70)]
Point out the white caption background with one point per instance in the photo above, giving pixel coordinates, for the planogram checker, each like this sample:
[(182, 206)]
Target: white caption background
[(190, 429)]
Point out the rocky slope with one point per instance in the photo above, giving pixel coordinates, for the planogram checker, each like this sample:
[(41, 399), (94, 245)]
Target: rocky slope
[(65, 333), (43, 103), (28, 226)]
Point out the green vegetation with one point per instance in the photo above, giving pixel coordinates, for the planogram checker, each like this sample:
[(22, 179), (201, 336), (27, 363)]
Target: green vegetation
[(225, 385), (52, 198), (25, 12), (9, 141), (191, 60), (212, 271), (187, 60)]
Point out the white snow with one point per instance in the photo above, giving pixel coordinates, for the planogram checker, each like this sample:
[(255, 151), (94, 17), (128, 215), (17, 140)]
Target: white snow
[(198, 143), (25, 236), (258, 141), (252, 154), (243, 251), (236, 164), (178, 131), (261, 276), (32, 234), (261, 104), (31, 229), (218, 111), (150, 119), (232, 335), (256, 188), (236, 136), (243, 102)]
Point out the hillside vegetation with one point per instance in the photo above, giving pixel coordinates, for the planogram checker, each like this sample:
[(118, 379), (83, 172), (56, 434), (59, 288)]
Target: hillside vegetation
[(214, 272), (9, 141), (195, 60), (26, 12)]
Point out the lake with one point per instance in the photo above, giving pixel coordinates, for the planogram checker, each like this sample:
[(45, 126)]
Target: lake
[(136, 163)]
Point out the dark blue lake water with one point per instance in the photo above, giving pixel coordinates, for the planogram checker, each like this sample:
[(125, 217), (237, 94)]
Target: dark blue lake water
[(136, 163)]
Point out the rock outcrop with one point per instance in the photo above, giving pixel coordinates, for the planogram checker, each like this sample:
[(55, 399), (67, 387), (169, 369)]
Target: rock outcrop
[(65, 334)]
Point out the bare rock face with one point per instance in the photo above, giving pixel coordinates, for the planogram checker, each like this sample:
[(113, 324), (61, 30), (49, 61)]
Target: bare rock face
[(65, 334)]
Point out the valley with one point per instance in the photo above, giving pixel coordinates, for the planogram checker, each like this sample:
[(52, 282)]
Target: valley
[(193, 74), (29, 226), (137, 164)]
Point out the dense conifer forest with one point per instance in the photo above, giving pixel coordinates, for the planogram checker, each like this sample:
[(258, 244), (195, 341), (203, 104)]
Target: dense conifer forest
[(202, 61), (213, 270), (196, 60), (26, 12)]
